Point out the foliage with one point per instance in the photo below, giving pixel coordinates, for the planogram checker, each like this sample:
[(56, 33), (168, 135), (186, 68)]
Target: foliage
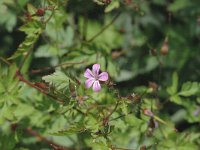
[(150, 50)]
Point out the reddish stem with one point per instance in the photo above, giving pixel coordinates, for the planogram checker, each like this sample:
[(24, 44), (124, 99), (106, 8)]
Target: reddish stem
[(51, 143), (22, 79)]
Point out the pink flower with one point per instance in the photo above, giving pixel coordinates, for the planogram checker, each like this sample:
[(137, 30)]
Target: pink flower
[(93, 78)]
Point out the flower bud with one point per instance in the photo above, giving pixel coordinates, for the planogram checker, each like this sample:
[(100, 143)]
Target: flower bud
[(165, 47), (153, 86), (148, 112), (40, 12), (143, 148)]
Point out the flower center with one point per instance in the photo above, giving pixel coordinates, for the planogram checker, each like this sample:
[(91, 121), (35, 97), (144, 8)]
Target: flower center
[(96, 77)]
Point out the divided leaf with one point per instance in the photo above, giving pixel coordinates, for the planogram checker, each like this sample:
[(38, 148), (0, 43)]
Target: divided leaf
[(33, 30), (174, 87), (25, 46), (31, 9), (58, 79), (189, 89)]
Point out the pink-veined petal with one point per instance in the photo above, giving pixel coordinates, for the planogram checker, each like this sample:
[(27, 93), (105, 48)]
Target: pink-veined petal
[(88, 73), (95, 69), (103, 76), (89, 82), (96, 86)]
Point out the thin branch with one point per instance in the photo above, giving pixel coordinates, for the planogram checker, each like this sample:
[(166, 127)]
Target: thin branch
[(22, 79), (103, 29), (78, 110), (121, 116), (106, 119), (51, 143), (35, 71), (48, 19), (5, 61), (113, 110)]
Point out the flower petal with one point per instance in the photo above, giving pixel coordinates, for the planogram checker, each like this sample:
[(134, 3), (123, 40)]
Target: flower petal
[(95, 69), (89, 82), (96, 86), (88, 73), (103, 76)]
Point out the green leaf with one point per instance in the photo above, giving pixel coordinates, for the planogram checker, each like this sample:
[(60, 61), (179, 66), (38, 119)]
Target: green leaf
[(178, 116), (176, 99), (27, 110), (91, 123), (189, 89), (112, 69), (124, 107), (7, 112), (7, 142), (11, 73), (32, 27), (100, 143), (57, 79), (99, 2), (174, 87), (33, 30), (25, 46), (113, 5), (73, 129), (31, 9), (46, 51), (8, 19)]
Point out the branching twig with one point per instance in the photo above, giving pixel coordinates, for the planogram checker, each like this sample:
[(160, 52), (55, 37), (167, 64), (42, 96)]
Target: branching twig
[(106, 119), (103, 29)]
